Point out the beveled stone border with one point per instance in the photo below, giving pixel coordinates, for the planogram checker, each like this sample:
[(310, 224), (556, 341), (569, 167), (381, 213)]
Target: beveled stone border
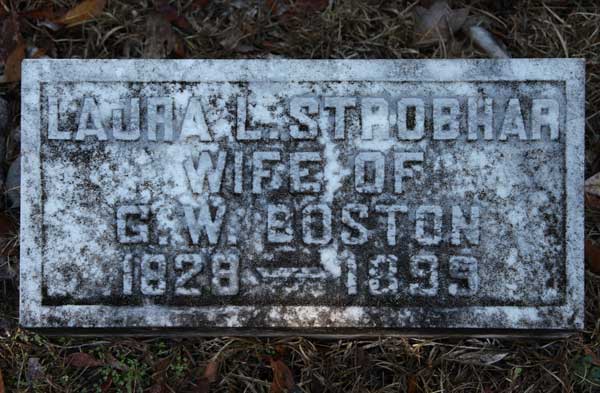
[(298, 318)]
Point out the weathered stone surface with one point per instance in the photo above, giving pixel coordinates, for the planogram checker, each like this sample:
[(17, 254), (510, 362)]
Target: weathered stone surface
[(302, 194)]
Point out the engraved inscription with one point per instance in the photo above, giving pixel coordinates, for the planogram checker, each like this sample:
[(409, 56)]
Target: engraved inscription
[(297, 193)]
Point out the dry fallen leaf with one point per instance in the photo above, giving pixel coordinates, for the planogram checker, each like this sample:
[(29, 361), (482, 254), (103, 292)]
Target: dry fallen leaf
[(589, 352), (84, 11), (592, 185), (477, 357), (412, 384), (172, 16), (210, 375), (212, 371), (46, 17), (12, 48), (592, 256), (40, 14), (438, 23), (160, 39), (12, 66), (10, 33), (592, 191), (283, 379), (179, 51), (37, 53), (83, 360)]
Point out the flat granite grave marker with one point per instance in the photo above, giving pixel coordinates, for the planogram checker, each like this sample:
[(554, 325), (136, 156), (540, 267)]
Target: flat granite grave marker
[(302, 195)]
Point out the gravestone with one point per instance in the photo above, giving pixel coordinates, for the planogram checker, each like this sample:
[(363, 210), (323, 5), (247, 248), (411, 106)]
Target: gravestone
[(309, 196)]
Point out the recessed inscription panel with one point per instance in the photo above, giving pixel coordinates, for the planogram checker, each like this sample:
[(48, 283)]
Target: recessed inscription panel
[(330, 197)]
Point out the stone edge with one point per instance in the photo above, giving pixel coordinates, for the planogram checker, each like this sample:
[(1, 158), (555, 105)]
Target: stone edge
[(34, 315)]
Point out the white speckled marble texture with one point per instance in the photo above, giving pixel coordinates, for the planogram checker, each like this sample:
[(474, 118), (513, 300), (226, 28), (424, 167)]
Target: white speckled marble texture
[(302, 194)]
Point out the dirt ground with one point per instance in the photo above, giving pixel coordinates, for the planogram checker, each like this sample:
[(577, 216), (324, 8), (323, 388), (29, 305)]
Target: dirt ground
[(389, 29)]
